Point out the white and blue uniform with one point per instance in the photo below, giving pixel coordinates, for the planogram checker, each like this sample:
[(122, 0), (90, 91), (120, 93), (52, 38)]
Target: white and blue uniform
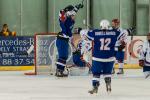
[(83, 47), (123, 37), (103, 55), (145, 55)]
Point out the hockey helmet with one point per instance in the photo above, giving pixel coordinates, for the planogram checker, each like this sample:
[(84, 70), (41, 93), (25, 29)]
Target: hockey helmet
[(83, 33), (104, 24), (70, 10)]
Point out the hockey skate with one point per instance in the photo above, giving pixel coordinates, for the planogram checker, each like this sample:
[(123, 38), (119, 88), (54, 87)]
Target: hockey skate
[(60, 73), (148, 75), (113, 71), (94, 90), (108, 87), (120, 71), (108, 84)]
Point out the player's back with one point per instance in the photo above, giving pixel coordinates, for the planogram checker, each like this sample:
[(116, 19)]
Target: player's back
[(104, 43), (66, 26)]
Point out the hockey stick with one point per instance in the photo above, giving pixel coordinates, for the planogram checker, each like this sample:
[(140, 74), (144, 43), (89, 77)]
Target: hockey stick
[(85, 24), (134, 24), (82, 2)]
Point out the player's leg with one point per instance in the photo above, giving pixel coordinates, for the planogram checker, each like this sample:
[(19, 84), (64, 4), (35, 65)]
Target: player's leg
[(96, 71), (62, 47), (77, 59), (146, 70), (120, 59), (113, 70), (107, 71)]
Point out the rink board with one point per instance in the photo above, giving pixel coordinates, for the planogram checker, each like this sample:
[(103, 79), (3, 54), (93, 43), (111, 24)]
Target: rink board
[(131, 55), (16, 68), (24, 68)]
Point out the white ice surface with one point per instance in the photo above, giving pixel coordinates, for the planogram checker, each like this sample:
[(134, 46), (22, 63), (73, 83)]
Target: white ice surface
[(16, 86)]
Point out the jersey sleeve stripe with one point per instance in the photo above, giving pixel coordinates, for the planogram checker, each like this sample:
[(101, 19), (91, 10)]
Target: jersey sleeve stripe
[(107, 75), (90, 38), (104, 60), (97, 79), (121, 36)]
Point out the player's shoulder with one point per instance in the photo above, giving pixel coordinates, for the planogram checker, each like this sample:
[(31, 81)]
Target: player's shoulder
[(116, 31), (145, 45), (145, 42), (113, 30), (94, 30), (108, 30), (84, 31), (120, 29)]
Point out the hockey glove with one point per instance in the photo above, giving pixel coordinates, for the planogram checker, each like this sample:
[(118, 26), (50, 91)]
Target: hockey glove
[(131, 30), (82, 58), (78, 7), (122, 46), (69, 8), (141, 63)]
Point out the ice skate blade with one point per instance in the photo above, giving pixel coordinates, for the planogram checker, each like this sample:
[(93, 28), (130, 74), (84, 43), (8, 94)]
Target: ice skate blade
[(93, 91), (147, 76), (109, 92), (120, 73)]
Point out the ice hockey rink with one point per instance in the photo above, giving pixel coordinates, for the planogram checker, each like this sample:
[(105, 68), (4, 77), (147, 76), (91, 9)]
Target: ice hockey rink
[(17, 86)]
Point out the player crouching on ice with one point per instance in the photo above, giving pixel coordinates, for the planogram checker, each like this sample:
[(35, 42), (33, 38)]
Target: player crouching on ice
[(103, 56), (67, 21), (82, 53), (144, 60)]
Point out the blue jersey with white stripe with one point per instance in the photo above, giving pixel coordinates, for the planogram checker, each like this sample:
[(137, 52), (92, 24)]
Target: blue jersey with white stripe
[(67, 26), (104, 43)]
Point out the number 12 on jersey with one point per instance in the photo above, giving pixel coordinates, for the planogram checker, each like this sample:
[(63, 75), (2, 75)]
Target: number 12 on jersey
[(105, 43)]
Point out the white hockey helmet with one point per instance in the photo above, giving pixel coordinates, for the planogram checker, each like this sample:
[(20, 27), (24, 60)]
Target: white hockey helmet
[(83, 33), (71, 13), (104, 24)]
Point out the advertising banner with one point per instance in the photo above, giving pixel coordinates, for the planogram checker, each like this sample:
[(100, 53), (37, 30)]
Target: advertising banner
[(13, 51)]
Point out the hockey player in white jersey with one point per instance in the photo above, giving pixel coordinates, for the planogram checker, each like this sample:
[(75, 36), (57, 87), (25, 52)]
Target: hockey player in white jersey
[(120, 52), (144, 59), (82, 54), (86, 46)]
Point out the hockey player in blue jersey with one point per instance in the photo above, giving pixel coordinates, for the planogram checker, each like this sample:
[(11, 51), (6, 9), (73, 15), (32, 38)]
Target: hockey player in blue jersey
[(103, 56), (67, 21), (144, 59)]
